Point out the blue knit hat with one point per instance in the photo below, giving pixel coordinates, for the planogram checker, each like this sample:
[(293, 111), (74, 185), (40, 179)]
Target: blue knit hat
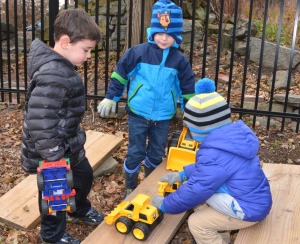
[(206, 111), (167, 18)]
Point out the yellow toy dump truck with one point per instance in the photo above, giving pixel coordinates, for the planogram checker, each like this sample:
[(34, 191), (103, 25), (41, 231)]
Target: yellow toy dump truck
[(137, 216), (165, 188), (182, 150)]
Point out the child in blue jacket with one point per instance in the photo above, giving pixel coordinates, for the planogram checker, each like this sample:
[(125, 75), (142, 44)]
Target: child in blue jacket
[(226, 179), (159, 75)]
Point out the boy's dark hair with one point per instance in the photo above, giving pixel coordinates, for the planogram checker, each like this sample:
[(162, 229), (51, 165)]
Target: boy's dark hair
[(76, 24)]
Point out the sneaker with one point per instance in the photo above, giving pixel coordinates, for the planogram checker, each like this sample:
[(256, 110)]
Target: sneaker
[(66, 238), (92, 217)]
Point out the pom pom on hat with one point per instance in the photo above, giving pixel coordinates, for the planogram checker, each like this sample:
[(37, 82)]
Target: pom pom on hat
[(166, 18), (206, 111), (205, 85)]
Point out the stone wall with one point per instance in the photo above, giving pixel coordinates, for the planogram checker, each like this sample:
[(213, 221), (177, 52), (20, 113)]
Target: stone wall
[(113, 21)]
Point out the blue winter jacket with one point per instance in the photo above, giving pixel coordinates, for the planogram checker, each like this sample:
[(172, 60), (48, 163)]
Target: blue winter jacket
[(227, 176), (158, 78)]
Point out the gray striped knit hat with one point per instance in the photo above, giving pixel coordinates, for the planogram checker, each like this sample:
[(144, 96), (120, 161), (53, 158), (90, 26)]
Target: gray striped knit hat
[(206, 111), (166, 18)]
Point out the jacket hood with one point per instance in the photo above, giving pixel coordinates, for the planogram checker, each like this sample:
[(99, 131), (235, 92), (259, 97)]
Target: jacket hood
[(236, 138), (41, 54)]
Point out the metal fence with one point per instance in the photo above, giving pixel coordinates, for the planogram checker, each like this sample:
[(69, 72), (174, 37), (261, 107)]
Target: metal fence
[(241, 80)]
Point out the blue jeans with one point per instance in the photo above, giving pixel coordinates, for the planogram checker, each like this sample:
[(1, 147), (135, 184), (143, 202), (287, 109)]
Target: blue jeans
[(141, 129)]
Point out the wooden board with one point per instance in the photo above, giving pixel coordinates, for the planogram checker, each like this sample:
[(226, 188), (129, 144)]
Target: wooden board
[(163, 233), (19, 206), (282, 225), (100, 146)]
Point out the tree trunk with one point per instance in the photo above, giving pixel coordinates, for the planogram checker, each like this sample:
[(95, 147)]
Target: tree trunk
[(134, 29), (147, 16)]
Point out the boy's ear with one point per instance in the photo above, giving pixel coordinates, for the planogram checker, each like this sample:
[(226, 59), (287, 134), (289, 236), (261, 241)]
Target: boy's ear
[(64, 41)]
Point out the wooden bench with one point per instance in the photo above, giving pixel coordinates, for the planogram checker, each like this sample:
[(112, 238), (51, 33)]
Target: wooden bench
[(163, 233), (19, 206), (282, 225)]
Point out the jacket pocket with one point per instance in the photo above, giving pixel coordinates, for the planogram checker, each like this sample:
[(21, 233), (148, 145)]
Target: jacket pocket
[(135, 91)]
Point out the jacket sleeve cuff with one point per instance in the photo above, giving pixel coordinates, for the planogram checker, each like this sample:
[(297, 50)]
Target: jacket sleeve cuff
[(183, 176)]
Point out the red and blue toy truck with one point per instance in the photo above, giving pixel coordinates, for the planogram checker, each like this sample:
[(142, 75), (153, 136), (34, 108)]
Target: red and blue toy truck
[(55, 181)]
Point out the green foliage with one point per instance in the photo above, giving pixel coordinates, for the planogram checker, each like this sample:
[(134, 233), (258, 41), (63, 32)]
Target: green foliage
[(272, 32), (275, 144)]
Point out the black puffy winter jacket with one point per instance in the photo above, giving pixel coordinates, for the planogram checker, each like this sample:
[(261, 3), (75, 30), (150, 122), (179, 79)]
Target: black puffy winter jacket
[(54, 109)]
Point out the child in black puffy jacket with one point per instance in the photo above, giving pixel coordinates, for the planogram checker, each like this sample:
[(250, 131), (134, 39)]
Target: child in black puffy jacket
[(54, 109)]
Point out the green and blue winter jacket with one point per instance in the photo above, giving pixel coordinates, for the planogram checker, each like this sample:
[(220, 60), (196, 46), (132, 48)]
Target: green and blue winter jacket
[(158, 79)]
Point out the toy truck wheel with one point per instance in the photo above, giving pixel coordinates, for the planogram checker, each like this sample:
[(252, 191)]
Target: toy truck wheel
[(72, 204), (161, 216), (69, 177), (124, 225), (45, 207), (141, 231), (40, 181)]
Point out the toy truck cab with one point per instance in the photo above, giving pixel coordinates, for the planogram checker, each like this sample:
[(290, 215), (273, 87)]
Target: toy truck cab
[(137, 216), (55, 181)]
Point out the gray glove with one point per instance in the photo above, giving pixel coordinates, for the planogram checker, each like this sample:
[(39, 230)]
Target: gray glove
[(157, 201), (105, 106), (171, 178)]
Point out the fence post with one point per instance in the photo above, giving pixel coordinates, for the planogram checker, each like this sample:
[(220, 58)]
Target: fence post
[(53, 11)]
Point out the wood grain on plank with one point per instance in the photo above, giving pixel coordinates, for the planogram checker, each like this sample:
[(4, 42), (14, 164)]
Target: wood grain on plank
[(19, 206), (282, 225)]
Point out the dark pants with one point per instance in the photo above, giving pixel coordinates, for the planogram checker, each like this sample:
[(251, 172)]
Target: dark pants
[(142, 131), (53, 226)]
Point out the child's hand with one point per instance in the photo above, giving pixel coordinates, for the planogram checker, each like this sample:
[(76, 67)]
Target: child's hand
[(105, 106), (171, 178), (157, 201)]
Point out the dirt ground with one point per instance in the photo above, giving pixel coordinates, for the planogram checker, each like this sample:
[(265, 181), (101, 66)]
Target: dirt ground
[(276, 147)]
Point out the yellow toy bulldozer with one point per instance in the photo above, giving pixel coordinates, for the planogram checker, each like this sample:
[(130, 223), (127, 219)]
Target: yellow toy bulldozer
[(165, 188), (182, 150), (137, 216)]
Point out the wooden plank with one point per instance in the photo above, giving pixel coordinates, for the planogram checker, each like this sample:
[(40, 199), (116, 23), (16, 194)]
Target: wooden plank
[(163, 233), (98, 151), (19, 206), (91, 137), (282, 225)]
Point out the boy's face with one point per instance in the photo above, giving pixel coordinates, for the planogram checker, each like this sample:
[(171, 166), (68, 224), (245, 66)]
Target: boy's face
[(77, 53), (163, 40), (80, 51)]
